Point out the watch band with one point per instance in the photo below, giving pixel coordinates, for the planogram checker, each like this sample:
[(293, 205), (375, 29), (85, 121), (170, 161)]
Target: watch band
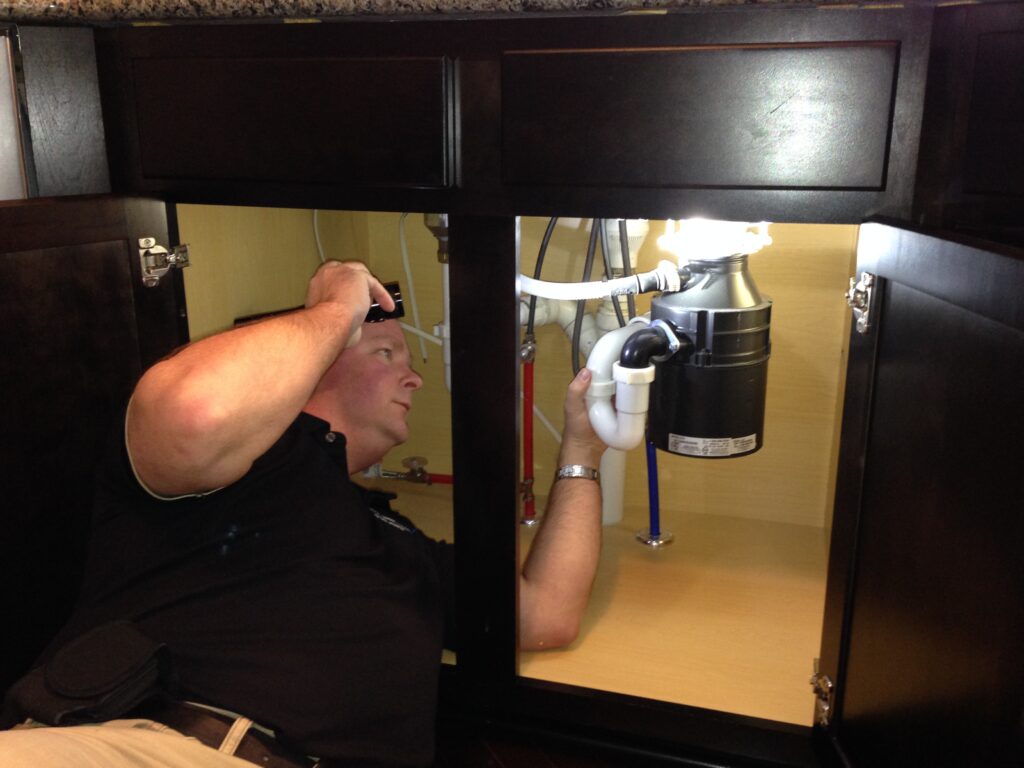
[(570, 471)]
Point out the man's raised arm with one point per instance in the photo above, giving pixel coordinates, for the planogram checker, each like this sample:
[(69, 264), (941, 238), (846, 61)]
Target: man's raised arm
[(197, 420)]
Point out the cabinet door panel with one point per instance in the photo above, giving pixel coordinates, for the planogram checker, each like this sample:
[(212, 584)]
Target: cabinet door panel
[(76, 328), (358, 121), (764, 116), (929, 671)]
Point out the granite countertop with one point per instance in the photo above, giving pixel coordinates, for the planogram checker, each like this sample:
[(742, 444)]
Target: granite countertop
[(96, 11)]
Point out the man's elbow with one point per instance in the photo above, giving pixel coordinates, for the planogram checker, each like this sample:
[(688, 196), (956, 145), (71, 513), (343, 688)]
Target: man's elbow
[(553, 632)]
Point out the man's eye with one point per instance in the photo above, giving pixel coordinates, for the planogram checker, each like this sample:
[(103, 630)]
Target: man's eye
[(387, 353)]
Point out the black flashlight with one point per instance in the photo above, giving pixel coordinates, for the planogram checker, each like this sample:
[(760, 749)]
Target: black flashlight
[(378, 314)]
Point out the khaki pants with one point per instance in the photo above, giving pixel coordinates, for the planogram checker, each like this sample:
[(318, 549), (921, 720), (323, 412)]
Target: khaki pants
[(114, 744)]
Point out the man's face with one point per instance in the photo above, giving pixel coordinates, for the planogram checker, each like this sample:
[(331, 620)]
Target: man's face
[(373, 382)]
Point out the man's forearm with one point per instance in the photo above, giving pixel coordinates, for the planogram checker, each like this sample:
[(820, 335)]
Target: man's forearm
[(559, 571)]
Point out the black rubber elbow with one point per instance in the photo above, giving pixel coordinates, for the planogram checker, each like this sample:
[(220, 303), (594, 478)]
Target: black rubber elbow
[(642, 346)]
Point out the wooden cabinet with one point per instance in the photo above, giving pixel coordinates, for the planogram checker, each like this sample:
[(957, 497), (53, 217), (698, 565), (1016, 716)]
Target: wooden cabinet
[(923, 620), (781, 114)]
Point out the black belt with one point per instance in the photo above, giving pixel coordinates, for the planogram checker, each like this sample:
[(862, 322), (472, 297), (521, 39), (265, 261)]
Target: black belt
[(210, 728)]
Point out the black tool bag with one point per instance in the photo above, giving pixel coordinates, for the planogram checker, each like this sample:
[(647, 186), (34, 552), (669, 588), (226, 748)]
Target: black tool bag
[(102, 675)]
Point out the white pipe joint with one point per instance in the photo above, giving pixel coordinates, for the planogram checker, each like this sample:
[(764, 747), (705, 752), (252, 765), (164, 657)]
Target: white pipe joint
[(620, 426), (630, 397)]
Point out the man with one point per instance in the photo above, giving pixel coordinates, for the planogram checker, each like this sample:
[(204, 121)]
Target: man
[(227, 528)]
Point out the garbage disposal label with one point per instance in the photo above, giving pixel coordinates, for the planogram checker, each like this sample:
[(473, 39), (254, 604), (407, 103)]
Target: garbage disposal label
[(710, 446)]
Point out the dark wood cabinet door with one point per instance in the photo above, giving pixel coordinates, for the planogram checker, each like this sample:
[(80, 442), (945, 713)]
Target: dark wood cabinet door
[(77, 329), (925, 609)]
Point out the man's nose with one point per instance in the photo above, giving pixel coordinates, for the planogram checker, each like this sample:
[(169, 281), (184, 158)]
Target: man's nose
[(413, 380)]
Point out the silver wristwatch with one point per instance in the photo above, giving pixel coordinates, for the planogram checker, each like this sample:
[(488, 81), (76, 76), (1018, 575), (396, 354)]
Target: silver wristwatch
[(577, 471)]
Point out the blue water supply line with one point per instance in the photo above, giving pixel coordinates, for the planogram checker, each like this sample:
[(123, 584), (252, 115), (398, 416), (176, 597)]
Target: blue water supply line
[(654, 529)]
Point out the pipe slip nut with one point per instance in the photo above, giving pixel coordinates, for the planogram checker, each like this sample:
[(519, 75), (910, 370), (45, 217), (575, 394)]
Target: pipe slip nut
[(621, 373)]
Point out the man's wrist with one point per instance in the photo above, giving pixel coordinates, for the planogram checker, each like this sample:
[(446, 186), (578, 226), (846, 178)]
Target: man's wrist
[(586, 458), (580, 452)]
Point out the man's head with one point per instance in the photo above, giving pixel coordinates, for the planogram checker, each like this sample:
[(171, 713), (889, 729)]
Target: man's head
[(367, 393)]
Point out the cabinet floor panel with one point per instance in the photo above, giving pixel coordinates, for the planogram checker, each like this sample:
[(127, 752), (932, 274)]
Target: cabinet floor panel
[(727, 617)]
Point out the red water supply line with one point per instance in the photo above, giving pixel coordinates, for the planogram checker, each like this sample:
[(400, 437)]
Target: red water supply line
[(442, 479), (528, 504)]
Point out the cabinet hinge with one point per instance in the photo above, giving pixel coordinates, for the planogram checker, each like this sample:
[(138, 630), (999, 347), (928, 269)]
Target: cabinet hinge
[(824, 694), (156, 260), (859, 299)]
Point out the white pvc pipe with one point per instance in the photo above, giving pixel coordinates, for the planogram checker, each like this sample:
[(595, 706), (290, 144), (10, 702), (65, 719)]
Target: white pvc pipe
[(620, 426), (410, 288), (588, 331), (446, 324), (420, 334), (607, 320), (613, 485), (546, 311)]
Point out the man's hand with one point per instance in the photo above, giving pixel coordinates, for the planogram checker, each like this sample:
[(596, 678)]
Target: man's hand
[(580, 444), (350, 287)]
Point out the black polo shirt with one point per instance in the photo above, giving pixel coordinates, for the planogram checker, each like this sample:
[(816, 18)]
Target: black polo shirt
[(292, 596)]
